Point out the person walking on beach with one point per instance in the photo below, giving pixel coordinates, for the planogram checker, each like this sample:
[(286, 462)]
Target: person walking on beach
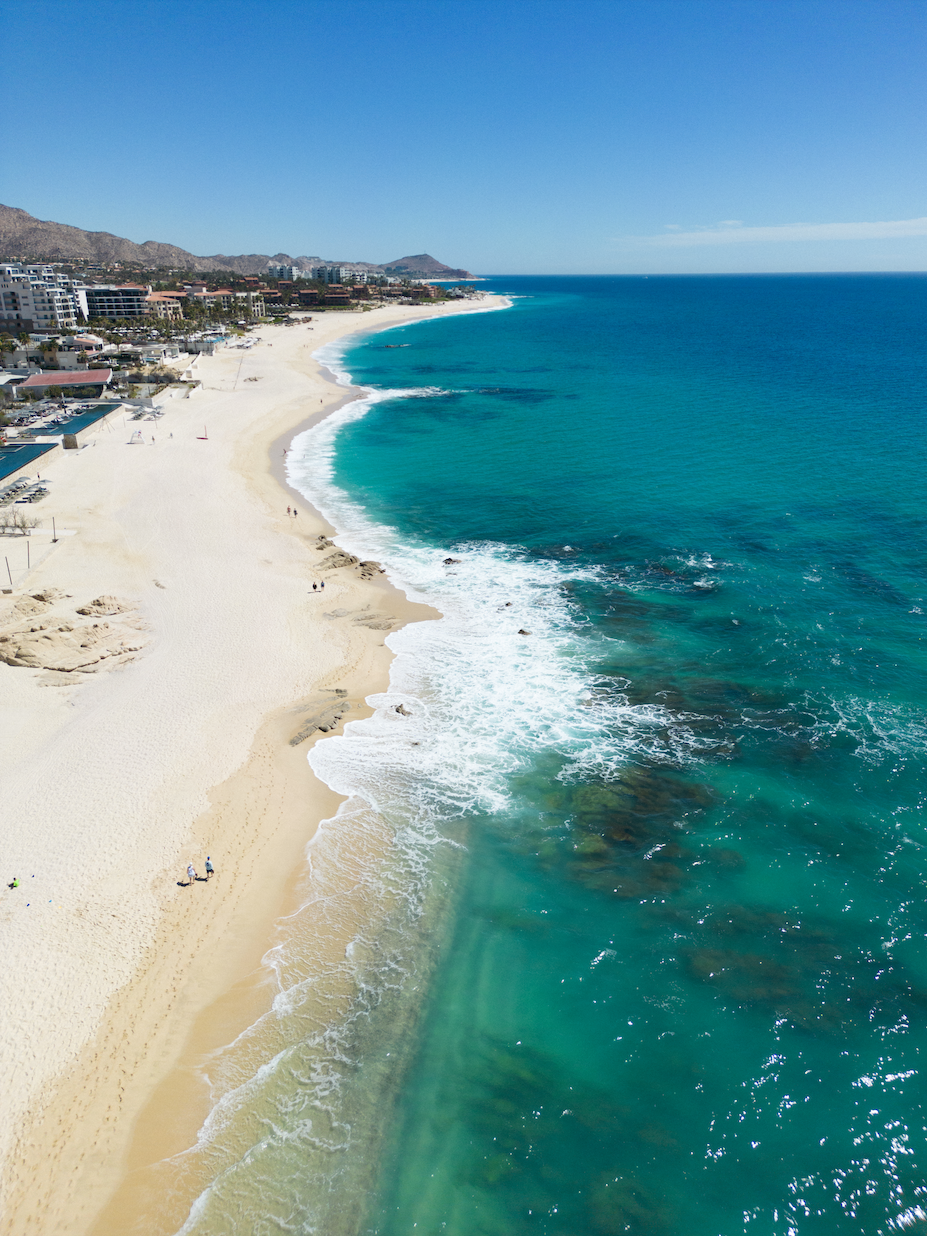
[(288, 511), (315, 587), (210, 869), (295, 512), (191, 875)]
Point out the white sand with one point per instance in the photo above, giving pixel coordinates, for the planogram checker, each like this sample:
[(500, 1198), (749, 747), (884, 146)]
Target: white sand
[(105, 774)]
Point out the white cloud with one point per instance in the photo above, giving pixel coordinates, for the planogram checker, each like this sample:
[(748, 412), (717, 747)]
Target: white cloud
[(732, 231)]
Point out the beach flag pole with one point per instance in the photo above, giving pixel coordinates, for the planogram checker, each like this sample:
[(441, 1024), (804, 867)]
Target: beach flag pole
[(54, 532), (28, 554), (8, 571)]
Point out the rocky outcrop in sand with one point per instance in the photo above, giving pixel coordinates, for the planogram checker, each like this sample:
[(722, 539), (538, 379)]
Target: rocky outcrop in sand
[(326, 714), (338, 559), (60, 642), (366, 617), (103, 607)]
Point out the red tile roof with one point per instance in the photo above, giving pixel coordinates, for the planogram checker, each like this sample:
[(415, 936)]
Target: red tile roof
[(75, 377)]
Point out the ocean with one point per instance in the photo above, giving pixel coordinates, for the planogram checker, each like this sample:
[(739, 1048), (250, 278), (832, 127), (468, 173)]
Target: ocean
[(644, 856)]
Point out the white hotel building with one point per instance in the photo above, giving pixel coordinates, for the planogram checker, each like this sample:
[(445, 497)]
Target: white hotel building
[(39, 298)]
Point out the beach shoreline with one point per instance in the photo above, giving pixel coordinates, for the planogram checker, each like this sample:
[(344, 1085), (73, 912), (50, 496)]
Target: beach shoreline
[(205, 766)]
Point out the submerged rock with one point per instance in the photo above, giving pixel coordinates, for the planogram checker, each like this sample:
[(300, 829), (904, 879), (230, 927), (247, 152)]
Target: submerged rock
[(627, 836)]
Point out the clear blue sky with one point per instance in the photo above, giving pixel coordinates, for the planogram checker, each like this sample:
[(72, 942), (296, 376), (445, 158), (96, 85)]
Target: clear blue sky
[(508, 137)]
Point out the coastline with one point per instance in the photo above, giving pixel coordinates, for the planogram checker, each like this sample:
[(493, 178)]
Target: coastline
[(149, 986)]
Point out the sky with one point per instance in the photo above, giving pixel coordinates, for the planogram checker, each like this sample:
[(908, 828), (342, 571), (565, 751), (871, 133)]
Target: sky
[(509, 137)]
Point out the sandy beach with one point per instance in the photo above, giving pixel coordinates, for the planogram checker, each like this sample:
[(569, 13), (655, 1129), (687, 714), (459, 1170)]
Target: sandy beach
[(181, 590)]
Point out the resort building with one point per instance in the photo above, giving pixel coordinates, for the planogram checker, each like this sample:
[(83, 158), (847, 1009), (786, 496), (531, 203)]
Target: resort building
[(250, 303), (37, 298), (129, 300), (254, 301), (87, 382), (282, 272), (164, 305)]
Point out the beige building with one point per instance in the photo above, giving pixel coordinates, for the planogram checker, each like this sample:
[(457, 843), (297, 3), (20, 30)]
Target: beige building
[(250, 303), (164, 305)]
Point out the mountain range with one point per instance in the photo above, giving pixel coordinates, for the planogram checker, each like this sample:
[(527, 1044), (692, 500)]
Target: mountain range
[(25, 238)]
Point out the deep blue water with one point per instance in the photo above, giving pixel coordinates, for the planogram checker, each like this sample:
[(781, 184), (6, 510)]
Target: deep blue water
[(683, 988)]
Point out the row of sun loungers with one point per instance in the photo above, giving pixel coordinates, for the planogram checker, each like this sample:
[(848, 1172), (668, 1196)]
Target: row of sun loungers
[(33, 494), (11, 492), (23, 490)]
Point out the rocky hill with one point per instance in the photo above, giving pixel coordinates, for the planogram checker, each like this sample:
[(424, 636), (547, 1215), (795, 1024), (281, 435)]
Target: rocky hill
[(23, 237), (423, 266)]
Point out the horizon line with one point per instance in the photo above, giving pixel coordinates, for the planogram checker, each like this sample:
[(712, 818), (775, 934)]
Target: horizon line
[(686, 274)]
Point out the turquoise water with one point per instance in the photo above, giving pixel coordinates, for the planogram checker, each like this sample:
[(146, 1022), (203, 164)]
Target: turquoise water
[(644, 856), (684, 987)]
